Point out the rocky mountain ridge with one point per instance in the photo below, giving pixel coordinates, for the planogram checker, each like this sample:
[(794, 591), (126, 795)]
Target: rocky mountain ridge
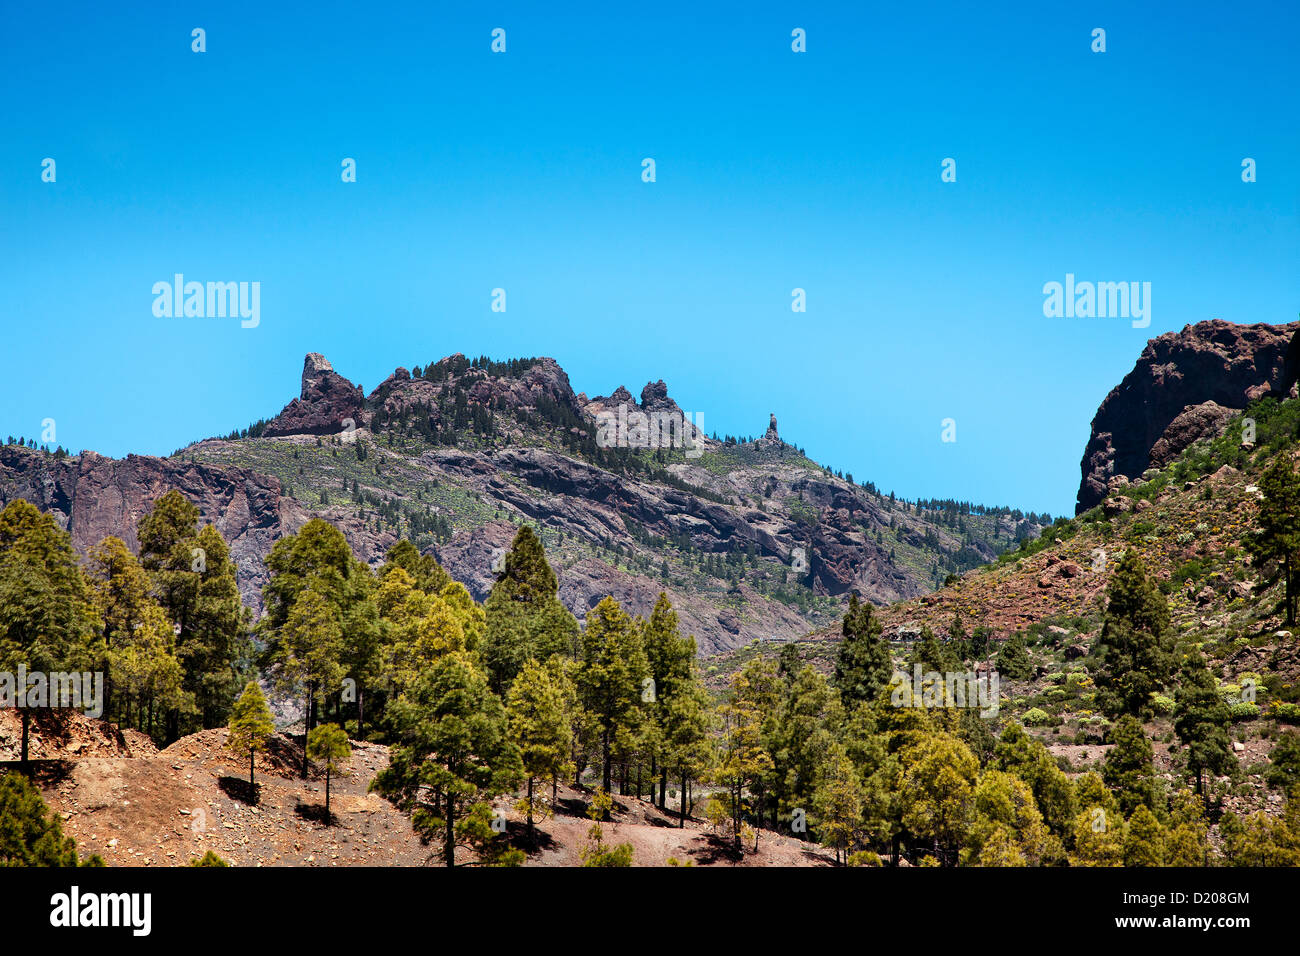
[(749, 539)]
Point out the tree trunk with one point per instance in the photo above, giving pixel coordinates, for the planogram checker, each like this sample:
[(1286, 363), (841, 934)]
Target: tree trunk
[(306, 730), (327, 794), (1290, 595), (27, 723), (530, 804), (663, 788), (251, 782), (361, 711), (449, 838), (681, 812), (607, 779)]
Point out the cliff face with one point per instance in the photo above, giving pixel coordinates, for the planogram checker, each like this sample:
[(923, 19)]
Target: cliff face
[(1165, 400), (92, 497)]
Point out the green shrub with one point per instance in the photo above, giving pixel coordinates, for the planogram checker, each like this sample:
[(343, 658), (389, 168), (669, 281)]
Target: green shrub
[(1288, 713), (1036, 717), (1245, 711)]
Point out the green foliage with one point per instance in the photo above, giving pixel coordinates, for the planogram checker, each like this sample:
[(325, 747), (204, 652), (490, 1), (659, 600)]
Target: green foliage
[(208, 859), (541, 725), (596, 853), (47, 619), (1129, 770), (525, 619), (1201, 721), (139, 642), (863, 664), (452, 750), (1284, 762), (1276, 541), (251, 725), (1135, 652), (837, 803), (328, 744), (613, 666), (194, 581), (1013, 660), (30, 835)]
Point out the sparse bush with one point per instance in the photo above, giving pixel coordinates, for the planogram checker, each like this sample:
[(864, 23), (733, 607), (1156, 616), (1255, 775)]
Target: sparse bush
[(1245, 711), (1162, 704)]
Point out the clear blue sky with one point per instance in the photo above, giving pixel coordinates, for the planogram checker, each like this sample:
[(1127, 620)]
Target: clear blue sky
[(775, 170)]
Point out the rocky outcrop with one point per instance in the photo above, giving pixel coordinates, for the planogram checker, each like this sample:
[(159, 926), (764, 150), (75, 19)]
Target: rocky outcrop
[(772, 435), (92, 497), (1193, 423), (327, 403), (1230, 365)]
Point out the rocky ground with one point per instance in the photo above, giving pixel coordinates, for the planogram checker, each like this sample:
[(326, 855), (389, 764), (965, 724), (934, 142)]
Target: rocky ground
[(134, 805)]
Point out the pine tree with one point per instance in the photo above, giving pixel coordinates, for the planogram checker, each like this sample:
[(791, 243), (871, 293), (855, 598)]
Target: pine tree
[(539, 726), (1135, 652), (451, 752), (145, 674), (1020, 754), (308, 653), (801, 735), (31, 835), (1144, 842), (938, 793), (47, 619), (671, 660), (742, 758), (1013, 660), (837, 803), (1008, 829), (194, 580), (609, 679), (424, 569), (1277, 538), (525, 619), (1201, 720), (328, 744), (1128, 770), (1284, 762), (251, 725), (863, 665)]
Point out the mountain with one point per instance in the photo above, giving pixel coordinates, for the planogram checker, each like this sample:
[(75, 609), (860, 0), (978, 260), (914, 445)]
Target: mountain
[(750, 538), (1184, 385), (1190, 519)]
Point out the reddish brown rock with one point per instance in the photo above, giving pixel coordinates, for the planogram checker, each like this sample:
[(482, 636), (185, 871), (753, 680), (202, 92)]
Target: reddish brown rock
[(327, 403), (1210, 361)]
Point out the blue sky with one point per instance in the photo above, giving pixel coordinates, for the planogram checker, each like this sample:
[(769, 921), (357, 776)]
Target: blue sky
[(522, 170)]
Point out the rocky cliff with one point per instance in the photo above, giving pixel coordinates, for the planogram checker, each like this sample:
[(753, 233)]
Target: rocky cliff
[(1177, 393)]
